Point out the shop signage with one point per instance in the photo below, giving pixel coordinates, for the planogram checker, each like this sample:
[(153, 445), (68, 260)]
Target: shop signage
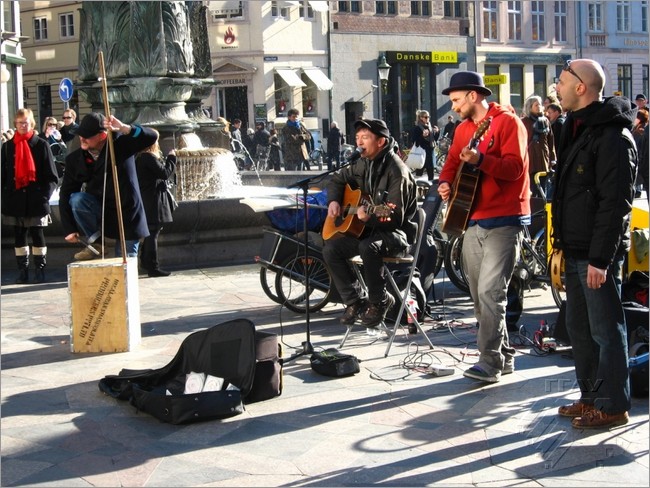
[(234, 81), (422, 57), (495, 79)]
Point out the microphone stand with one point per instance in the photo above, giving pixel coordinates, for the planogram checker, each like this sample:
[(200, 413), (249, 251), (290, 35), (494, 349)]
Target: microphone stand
[(307, 347)]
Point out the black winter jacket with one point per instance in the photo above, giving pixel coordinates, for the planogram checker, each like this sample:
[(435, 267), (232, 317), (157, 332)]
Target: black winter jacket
[(32, 200), (153, 174), (84, 174), (594, 182), (386, 173)]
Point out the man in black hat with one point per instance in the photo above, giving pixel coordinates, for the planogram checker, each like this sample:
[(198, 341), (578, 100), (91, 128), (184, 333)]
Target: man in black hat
[(498, 210), (382, 177), (640, 100), (82, 191)]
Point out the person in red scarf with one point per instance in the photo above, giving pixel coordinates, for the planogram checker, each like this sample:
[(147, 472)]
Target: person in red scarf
[(28, 176)]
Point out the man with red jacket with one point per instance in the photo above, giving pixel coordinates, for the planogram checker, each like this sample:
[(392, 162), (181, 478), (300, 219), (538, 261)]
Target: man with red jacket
[(500, 209)]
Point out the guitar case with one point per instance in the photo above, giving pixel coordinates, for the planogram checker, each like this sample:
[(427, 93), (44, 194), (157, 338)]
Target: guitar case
[(226, 350)]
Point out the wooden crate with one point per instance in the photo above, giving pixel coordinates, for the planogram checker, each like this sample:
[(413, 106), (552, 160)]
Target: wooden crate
[(104, 304)]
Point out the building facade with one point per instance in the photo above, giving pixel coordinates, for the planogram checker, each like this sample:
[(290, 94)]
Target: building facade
[(323, 58)]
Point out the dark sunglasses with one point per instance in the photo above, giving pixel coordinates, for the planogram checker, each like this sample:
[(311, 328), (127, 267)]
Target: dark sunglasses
[(66, 118), (51, 125), (567, 67)]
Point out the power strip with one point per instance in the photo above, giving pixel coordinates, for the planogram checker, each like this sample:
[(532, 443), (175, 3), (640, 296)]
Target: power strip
[(439, 370)]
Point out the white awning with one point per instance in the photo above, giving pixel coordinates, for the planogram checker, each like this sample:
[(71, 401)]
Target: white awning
[(290, 77), (319, 78), (318, 6), (224, 7)]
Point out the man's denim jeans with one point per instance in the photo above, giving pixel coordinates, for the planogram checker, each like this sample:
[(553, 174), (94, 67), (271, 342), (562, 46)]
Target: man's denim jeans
[(87, 211), (596, 326)]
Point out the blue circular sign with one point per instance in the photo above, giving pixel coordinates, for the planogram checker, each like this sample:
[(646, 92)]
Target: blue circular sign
[(66, 89)]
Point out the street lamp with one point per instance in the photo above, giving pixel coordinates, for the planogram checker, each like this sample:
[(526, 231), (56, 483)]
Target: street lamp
[(383, 69)]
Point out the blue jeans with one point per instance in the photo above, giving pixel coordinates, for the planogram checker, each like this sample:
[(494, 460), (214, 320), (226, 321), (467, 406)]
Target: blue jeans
[(489, 258), (595, 322), (87, 211)]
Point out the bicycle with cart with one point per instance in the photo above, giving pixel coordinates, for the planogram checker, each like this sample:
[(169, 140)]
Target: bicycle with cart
[(283, 266)]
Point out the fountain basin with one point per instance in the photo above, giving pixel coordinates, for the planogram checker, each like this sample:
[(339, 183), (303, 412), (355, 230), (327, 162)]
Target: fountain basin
[(205, 233)]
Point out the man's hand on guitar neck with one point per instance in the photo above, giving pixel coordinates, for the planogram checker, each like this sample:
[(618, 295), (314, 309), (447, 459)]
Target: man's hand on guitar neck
[(470, 156)]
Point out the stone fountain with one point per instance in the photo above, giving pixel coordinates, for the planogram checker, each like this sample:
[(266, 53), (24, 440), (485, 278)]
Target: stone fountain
[(158, 70)]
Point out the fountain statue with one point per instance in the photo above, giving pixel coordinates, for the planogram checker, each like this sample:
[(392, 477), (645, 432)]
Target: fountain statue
[(158, 69)]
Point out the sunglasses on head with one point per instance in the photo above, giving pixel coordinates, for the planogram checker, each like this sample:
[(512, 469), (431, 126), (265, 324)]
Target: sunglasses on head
[(567, 67)]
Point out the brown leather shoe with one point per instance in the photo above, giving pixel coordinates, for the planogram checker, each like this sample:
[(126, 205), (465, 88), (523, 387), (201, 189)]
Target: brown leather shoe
[(577, 409), (353, 312), (376, 312), (596, 419)]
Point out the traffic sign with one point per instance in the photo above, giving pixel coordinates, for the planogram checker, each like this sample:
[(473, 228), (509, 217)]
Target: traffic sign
[(65, 89)]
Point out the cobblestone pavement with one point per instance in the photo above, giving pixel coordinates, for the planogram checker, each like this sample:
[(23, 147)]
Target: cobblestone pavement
[(389, 425)]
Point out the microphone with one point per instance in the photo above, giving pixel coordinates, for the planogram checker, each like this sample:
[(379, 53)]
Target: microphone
[(356, 154)]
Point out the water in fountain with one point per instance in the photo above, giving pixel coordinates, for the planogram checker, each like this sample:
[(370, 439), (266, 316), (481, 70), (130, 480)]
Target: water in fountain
[(205, 173)]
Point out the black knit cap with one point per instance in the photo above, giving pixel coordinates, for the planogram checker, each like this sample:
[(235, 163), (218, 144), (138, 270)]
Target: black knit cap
[(376, 126)]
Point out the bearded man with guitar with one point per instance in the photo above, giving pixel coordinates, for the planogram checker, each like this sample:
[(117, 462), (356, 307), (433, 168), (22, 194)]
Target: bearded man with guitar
[(371, 212), (485, 182)]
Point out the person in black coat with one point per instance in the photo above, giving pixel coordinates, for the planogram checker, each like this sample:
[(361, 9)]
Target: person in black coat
[(334, 141), (424, 135), (82, 190), (28, 176), (153, 176)]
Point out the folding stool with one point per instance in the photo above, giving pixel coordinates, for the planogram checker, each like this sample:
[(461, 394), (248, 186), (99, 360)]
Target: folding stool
[(410, 258)]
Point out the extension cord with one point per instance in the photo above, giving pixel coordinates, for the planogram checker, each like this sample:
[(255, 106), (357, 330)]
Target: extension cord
[(439, 371)]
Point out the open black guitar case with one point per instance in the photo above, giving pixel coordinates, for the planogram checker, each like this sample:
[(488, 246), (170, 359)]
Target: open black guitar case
[(226, 350)]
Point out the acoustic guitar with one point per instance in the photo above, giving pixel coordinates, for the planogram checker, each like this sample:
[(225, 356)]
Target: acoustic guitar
[(348, 223), (464, 188)]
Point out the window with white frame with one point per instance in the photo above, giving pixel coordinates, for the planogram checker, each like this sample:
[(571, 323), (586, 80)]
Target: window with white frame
[(40, 28), (539, 27), (277, 11), (490, 16), (386, 7), (514, 21), (644, 16), (421, 9), (623, 16), (624, 72), (595, 16), (66, 24), (560, 10), (306, 10)]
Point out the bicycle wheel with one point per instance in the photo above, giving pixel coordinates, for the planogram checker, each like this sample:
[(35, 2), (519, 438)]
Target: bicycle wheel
[(290, 284), (269, 289), (454, 263)]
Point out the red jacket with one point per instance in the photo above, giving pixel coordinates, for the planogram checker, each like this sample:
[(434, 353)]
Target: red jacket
[(504, 183)]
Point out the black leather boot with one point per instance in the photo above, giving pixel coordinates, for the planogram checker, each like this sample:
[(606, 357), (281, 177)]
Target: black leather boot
[(39, 264), (23, 269)]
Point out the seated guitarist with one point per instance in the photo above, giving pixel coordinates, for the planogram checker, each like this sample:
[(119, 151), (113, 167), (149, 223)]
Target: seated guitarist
[(381, 175), (497, 211)]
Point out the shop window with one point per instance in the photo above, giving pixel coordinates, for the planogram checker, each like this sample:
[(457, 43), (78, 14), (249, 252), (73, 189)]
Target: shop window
[(282, 96), (309, 97)]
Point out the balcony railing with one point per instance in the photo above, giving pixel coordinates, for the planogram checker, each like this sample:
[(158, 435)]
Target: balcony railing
[(597, 40)]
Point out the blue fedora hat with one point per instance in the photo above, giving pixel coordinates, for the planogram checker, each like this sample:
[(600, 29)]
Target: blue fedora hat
[(467, 80)]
